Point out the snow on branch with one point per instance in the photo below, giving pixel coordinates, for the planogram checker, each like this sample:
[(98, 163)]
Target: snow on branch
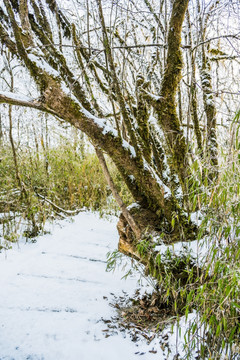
[(10, 98), (17, 99)]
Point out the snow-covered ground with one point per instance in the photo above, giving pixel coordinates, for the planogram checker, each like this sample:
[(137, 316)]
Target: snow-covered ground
[(52, 297)]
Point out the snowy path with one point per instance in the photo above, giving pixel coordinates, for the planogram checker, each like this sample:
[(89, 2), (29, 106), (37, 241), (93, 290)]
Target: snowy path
[(51, 296)]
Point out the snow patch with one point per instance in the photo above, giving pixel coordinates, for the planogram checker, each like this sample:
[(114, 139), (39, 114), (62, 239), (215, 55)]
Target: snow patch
[(129, 147), (42, 64)]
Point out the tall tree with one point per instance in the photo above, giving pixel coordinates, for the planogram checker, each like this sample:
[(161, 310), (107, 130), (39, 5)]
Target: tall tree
[(119, 87)]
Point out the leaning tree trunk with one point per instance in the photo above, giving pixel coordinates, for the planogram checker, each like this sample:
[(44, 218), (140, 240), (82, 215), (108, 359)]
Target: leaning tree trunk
[(158, 210)]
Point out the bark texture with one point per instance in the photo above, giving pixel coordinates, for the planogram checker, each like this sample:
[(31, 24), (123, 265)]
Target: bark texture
[(142, 155)]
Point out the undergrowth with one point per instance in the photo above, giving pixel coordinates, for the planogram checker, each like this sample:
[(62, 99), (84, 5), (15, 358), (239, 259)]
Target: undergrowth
[(55, 182), (205, 282)]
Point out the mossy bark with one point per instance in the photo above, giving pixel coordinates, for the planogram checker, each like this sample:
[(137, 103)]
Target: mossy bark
[(208, 100), (136, 169), (210, 111), (193, 92), (166, 106)]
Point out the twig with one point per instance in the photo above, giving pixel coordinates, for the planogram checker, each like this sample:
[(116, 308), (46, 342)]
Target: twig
[(67, 212)]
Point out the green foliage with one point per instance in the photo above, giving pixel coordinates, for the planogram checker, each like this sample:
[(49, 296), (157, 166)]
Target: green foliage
[(62, 175), (114, 259), (209, 285), (216, 296)]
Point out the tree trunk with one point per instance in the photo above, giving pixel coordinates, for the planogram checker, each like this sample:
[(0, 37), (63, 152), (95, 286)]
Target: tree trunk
[(160, 200)]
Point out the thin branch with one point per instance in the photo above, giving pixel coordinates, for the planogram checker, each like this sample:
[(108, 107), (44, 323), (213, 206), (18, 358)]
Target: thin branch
[(116, 195), (20, 100), (56, 207), (234, 36), (93, 49)]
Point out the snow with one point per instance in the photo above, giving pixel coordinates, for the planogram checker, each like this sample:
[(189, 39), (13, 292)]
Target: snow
[(198, 249), (16, 97), (129, 147), (153, 96), (166, 189), (206, 81), (106, 128), (42, 64), (52, 292), (196, 217), (131, 177), (210, 102), (133, 205), (102, 123)]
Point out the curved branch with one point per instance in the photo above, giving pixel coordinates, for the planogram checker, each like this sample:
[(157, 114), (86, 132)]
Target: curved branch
[(232, 36)]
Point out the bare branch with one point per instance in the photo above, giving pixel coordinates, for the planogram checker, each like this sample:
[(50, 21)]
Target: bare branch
[(19, 100), (234, 36)]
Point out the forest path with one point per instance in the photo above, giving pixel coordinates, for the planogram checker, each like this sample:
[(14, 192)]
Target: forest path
[(52, 296)]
